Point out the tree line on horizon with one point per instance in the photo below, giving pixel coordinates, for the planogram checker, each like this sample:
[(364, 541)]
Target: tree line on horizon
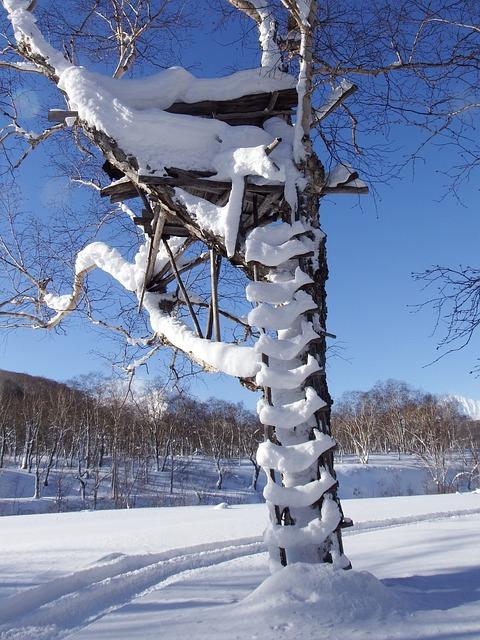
[(105, 434)]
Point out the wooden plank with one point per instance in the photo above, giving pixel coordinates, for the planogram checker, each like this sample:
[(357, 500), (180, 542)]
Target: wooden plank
[(345, 189), (175, 230), (125, 189), (121, 186), (185, 181), (209, 186), (259, 102), (59, 115), (152, 252), (127, 196), (273, 102), (146, 224), (175, 172), (251, 116), (214, 271), (182, 288)]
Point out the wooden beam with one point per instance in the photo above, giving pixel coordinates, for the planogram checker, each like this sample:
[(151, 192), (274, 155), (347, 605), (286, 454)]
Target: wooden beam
[(175, 230), (267, 204), (252, 115), (272, 103), (175, 172), (187, 267), (158, 283), (273, 145), (345, 189), (209, 186), (215, 262), (182, 288), (122, 186), (59, 115), (286, 99), (121, 197), (185, 181), (153, 251), (155, 244)]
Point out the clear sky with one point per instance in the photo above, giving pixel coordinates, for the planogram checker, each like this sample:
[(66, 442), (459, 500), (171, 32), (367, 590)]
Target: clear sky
[(371, 296)]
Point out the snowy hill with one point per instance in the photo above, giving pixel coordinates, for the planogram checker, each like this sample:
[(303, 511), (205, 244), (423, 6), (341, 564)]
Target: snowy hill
[(13, 383), (471, 408)]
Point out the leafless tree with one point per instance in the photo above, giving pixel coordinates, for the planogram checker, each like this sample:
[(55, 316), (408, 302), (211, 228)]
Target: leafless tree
[(394, 400), (469, 445), (456, 302), (433, 428), (357, 420)]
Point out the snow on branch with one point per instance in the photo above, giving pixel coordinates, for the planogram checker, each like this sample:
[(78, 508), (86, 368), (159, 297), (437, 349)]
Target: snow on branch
[(20, 66), (300, 496), (295, 457), (344, 178), (334, 100), (315, 532), (30, 41), (290, 415), (232, 359), (261, 12), (32, 139)]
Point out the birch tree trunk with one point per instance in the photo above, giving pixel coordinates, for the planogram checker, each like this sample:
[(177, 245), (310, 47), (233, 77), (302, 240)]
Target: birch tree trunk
[(305, 512)]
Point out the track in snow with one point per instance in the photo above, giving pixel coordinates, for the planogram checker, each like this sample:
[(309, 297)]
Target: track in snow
[(372, 525), (72, 601), (57, 608)]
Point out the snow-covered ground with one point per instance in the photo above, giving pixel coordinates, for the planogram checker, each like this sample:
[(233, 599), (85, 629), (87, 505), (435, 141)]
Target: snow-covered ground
[(197, 571), (194, 483)]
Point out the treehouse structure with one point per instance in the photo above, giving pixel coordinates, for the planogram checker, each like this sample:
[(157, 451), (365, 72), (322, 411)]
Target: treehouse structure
[(282, 253), (275, 238), (225, 164)]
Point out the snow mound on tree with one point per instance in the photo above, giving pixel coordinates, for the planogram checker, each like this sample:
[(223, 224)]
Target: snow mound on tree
[(322, 592)]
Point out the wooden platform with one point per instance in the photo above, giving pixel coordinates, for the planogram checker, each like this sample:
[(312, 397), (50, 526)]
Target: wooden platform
[(246, 110), (253, 109), (261, 201), (262, 198)]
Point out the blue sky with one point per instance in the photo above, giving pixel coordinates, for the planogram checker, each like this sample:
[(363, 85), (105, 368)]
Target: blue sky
[(371, 296)]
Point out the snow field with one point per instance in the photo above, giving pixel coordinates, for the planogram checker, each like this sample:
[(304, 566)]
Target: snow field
[(200, 571)]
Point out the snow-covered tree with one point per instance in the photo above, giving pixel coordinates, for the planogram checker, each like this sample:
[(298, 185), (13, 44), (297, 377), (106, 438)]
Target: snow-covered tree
[(225, 168)]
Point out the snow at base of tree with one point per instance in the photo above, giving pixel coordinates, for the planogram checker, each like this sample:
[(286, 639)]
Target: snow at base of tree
[(339, 596)]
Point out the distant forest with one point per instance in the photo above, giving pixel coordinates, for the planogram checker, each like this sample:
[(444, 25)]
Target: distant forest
[(103, 433)]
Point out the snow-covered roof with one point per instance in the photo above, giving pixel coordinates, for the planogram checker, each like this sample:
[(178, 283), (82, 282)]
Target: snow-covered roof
[(176, 84)]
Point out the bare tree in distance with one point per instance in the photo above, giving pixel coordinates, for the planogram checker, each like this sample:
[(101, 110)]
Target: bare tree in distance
[(356, 417), (456, 303)]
